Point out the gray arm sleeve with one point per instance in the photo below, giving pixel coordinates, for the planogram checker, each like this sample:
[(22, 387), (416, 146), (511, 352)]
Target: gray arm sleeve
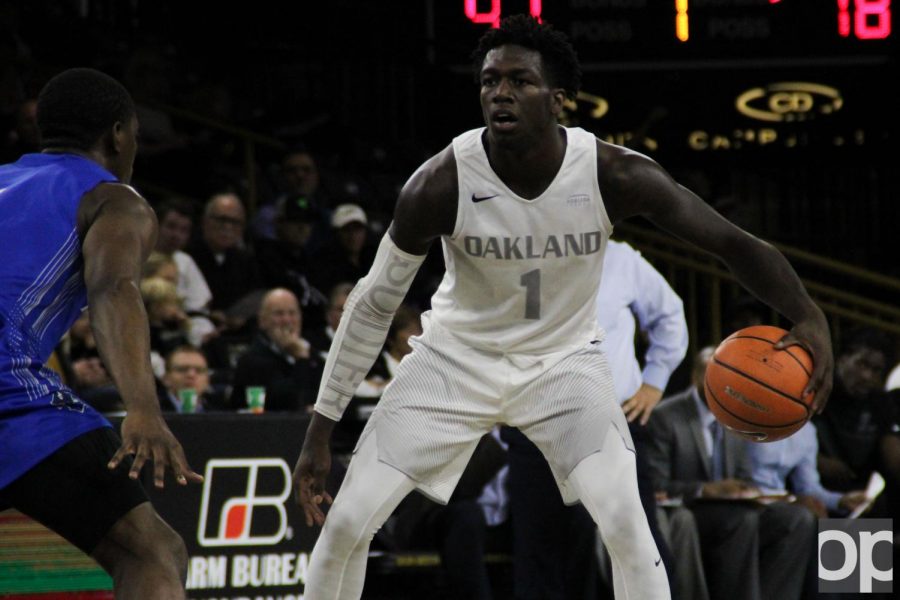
[(364, 325)]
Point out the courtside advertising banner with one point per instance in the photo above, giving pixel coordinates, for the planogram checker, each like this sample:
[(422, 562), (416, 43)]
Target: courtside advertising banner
[(245, 535)]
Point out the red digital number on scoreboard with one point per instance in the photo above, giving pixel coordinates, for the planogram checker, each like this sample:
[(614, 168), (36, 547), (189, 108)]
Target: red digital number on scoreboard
[(871, 19), (493, 15)]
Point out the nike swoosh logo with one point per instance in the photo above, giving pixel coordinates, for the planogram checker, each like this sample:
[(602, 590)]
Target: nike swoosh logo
[(656, 564), (483, 198)]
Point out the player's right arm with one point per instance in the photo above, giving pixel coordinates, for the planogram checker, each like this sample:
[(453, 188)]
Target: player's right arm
[(426, 210), (118, 231)]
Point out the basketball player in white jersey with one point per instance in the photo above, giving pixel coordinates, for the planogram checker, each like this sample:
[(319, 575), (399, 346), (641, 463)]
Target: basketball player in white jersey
[(523, 208)]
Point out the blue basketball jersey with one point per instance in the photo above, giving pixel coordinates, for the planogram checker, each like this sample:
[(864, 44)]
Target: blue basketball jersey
[(42, 293)]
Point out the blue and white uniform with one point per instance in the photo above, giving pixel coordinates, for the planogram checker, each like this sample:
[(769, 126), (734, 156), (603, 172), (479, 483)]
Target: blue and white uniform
[(42, 293)]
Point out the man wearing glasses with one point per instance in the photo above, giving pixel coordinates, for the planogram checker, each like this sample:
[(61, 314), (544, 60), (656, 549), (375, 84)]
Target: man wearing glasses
[(229, 268)]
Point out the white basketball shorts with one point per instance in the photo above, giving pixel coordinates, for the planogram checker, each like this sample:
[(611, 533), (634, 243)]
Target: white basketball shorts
[(446, 396)]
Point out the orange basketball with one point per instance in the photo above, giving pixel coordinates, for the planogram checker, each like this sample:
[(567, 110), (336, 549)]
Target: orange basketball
[(756, 390)]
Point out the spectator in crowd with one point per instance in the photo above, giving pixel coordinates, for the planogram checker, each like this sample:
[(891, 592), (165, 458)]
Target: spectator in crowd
[(321, 337), (750, 551), (284, 261), (300, 178), (229, 269), (176, 219), (856, 430), (169, 325), (348, 256), (187, 370), (789, 465), (278, 359)]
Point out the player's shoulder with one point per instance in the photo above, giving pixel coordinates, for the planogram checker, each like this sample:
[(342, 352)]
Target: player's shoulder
[(114, 200), (618, 161), (434, 187), (436, 178), (427, 205)]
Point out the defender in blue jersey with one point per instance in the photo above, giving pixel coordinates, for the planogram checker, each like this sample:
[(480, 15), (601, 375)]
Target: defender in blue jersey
[(74, 234)]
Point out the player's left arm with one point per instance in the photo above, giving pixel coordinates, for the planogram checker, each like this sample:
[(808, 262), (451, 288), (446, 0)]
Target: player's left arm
[(633, 184)]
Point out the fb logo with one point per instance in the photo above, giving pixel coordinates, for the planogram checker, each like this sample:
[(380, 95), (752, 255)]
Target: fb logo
[(243, 502), (856, 555)]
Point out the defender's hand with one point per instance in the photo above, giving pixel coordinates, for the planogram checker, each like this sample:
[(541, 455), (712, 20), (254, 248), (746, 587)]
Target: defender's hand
[(147, 437)]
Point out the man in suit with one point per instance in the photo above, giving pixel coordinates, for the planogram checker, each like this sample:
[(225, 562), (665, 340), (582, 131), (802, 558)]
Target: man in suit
[(751, 551)]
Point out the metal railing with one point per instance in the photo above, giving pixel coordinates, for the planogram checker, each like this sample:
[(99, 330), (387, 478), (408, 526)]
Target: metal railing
[(848, 295)]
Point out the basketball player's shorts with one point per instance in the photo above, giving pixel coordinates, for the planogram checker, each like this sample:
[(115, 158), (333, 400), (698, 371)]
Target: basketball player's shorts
[(446, 395), (73, 492)]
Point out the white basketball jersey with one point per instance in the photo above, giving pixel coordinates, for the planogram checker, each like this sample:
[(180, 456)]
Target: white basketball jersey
[(522, 275)]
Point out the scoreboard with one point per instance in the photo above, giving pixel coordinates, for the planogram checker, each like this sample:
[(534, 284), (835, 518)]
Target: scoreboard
[(673, 30), (713, 76)]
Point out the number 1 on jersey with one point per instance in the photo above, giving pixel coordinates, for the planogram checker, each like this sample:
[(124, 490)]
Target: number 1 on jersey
[(532, 282)]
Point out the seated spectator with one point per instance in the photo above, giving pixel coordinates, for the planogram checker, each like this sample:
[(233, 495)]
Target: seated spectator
[(348, 256), (176, 219), (186, 370), (856, 428), (229, 269), (321, 337), (284, 261), (750, 551), (169, 326), (299, 177), (278, 359), (789, 465)]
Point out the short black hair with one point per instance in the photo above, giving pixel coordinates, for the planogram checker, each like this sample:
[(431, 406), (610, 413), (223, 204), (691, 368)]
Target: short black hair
[(558, 56), (78, 106)]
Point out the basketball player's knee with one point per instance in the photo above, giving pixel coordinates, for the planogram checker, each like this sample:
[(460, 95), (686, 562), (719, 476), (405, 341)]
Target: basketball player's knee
[(166, 548), (345, 528), (179, 556), (624, 525)]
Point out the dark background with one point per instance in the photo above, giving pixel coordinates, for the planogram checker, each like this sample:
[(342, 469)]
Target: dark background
[(375, 87)]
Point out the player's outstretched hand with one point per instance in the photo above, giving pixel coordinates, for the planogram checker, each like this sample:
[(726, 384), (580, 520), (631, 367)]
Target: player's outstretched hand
[(147, 437), (814, 336), (312, 468)]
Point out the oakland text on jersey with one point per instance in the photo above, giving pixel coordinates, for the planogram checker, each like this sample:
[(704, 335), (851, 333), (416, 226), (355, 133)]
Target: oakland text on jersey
[(534, 246)]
